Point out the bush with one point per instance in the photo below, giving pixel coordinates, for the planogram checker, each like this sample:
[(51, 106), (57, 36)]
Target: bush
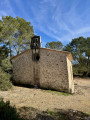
[(6, 65), (5, 83), (8, 112)]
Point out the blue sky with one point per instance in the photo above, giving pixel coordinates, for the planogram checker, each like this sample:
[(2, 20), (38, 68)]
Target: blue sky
[(53, 20)]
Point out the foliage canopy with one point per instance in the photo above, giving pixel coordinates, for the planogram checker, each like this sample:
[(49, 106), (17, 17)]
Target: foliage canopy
[(54, 45), (15, 33), (80, 49)]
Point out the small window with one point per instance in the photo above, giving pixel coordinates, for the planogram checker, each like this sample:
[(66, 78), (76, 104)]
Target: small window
[(36, 57)]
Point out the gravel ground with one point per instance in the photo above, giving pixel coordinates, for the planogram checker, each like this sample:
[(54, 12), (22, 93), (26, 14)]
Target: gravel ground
[(48, 100)]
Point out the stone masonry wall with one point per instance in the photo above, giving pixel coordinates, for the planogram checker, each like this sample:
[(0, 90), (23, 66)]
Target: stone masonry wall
[(23, 68), (53, 70), (49, 72), (70, 76)]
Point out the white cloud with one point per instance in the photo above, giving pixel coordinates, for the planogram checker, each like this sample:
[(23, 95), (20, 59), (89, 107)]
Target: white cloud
[(83, 30), (49, 33), (57, 19), (2, 13), (6, 8), (64, 25), (51, 26), (21, 7)]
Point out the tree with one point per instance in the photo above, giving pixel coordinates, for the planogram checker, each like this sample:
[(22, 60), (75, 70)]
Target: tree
[(3, 53), (79, 47), (5, 83), (5, 69), (54, 45), (8, 25), (15, 33), (6, 65), (87, 53)]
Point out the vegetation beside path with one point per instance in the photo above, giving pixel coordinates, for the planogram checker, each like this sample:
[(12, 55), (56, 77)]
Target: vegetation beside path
[(8, 112)]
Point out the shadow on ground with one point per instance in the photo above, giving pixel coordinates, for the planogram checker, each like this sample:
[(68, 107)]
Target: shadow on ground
[(33, 114), (8, 112)]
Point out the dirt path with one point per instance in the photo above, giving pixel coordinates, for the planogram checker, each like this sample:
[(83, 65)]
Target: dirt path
[(43, 100)]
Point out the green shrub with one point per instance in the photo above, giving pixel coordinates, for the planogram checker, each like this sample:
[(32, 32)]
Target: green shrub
[(8, 112), (5, 83), (6, 65)]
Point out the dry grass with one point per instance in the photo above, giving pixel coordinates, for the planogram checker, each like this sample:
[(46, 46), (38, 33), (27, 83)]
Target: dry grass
[(44, 100)]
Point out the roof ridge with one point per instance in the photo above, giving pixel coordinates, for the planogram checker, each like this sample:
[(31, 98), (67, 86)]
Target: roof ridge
[(68, 54)]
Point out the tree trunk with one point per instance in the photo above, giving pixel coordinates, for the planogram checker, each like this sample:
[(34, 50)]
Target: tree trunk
[(10, 50)]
